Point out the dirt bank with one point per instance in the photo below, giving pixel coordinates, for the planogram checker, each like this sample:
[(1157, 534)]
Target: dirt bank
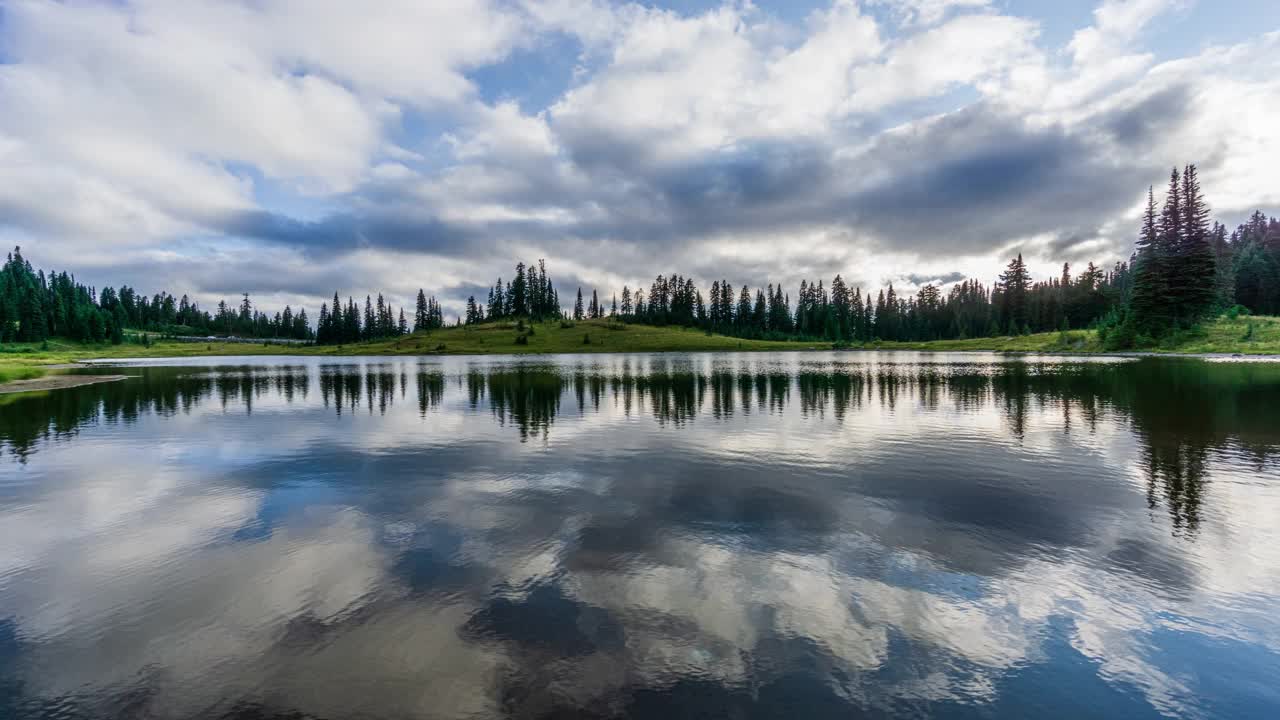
[(56, 382)]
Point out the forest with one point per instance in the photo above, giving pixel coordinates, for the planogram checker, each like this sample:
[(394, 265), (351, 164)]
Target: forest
[(1184, 270), (35, 306)]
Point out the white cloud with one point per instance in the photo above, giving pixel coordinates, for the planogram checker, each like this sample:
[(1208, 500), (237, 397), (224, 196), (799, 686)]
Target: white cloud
[(673, 81), (146, 114), (1116, 24), (149, 123), (928, 12), (95, 548), (687, 85), (177, 93), (967, 50)]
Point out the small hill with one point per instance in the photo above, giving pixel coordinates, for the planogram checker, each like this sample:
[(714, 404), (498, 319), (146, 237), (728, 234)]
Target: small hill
[(584, 336)]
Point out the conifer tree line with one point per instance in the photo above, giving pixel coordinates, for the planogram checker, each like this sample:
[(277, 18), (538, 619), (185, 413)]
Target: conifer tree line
[(1248, 270), (530, 294), (593, 310), (840, 313), (35, 307), (340, 324), (1186, 269), (1183, 270)]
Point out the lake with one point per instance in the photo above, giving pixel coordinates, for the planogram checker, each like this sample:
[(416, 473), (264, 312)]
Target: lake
[(790, 535)]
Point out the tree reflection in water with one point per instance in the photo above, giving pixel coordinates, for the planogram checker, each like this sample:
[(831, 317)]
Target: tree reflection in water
[(1181, 410)]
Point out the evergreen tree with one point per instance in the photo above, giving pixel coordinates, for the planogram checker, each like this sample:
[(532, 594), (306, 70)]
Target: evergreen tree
[(1149, 302), (420, 318), (881, 318), (1195, 273), (840, 310), (1257, 279), (1014, 284), (302, 327), (519, 293), (743, 313), (497, 304), (1224, 268), (351, 322)]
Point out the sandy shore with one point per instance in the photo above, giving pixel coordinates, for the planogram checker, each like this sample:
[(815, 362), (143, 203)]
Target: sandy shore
[(56, 382)]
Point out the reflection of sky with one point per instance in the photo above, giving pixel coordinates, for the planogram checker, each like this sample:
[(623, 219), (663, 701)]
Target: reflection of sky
[(915, 547)]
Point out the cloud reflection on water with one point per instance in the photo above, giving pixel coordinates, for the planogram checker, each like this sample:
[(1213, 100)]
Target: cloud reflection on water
[(643, 535)]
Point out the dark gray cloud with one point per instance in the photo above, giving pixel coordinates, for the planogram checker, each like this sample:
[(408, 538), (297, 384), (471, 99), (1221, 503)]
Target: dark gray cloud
[(228, 278), (942, 279), (965, 183), (349, 231), (976, 180), (961, 184), (1150, 118), (470, 176)]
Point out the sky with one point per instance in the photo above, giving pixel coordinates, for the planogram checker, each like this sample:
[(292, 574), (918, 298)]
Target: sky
[(291, 148)]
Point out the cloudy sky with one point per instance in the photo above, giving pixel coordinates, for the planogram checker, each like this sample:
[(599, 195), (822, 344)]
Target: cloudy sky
[(288, 148)]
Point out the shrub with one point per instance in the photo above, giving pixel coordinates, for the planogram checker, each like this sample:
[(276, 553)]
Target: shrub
[(522, 339), (1116, 330), (8, 373), (565, 323), (586, 339), (1236, 311), (1122, 336), (1248, 335)]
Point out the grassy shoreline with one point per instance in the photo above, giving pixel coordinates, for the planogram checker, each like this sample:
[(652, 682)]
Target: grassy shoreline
[(1222, 336), (15, 372)]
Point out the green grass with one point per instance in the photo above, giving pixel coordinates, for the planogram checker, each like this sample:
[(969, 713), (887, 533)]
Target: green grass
[(1251, 335), (1220, 336), (61, 350), (1081, 341), (10, 372), (490, 338), (550, 337)]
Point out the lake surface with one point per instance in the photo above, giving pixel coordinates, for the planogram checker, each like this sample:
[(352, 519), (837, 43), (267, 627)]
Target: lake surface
[(792, 535)]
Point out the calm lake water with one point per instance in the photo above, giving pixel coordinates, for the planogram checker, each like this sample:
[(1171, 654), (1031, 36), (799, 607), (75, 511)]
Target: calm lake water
[(792, 535)]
